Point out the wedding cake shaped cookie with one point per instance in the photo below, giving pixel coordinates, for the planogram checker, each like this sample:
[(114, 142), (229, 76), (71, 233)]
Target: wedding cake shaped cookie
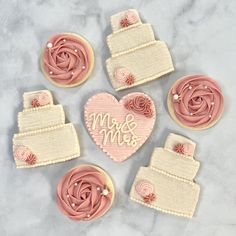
[(167, 184), (136, 56), (43, 136)]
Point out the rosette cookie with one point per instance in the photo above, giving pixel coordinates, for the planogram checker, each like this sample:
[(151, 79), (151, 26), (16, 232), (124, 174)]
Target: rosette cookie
[(85, 193), (196, 102), (67, 60)]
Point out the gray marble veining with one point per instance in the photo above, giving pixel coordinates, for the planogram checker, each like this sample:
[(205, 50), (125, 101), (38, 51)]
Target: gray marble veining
[(201, 36)]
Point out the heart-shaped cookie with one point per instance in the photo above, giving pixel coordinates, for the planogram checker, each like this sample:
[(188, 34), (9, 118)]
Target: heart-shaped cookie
[(120, 128)]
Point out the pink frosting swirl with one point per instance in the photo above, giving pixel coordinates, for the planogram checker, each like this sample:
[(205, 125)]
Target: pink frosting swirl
[(67, 59), (140, 105), (83, 193), (197, 101)]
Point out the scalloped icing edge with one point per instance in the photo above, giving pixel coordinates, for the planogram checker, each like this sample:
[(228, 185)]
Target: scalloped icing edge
[(113, 98)]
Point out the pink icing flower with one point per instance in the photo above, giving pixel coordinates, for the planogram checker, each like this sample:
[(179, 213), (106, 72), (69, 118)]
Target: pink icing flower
[(144, 188), (23, 153), (149, 198), (184, 148), (130, 79), (130, 18), (124, 22), (179, 148), (140, 105), (82, 194), (41, 100), (188, 149), (123, 76)]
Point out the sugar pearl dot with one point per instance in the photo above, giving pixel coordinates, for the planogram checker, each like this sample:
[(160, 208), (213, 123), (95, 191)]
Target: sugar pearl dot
[(205, 87), (67, 196), (50, 72), (191, 114), (83, 67), (76, 50), (176, 96), (88, 215), (49, 45), (73, 204), (72, 72), (64, 40), (98, 188), (190, 87), (212, 103), (105, 192), (209, 116), (76, 184)]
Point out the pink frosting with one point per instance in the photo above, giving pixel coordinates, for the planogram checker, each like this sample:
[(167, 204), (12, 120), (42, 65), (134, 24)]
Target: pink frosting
[(67, 59), (83, 195), (197, 101)]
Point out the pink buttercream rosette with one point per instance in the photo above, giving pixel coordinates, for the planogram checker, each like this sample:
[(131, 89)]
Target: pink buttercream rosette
[(197, 101), (85, 193), (67, 59)]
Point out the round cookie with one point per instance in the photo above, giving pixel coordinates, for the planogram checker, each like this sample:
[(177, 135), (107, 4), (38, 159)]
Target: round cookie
[(196, 102), (85, 193), (67, 60)]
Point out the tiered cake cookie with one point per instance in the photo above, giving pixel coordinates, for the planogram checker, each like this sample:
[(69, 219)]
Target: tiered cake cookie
[(167, 184), (137, 57), (43, 137)]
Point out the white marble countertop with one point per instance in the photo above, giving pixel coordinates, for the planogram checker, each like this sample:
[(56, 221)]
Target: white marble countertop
[(201, 37)]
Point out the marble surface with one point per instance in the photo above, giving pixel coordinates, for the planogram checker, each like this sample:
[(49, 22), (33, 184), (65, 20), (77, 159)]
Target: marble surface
[(201, 36)]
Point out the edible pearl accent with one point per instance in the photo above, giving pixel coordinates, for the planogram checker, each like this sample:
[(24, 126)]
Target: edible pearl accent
[(105, 192), (209, 116), (83, 67), (212, 103), (88, 215), (67, 196), (73, 205), (72, 72), (190, 87), (98, 188), (76, 50), (64, 40), (50, 72), (176, 96), (76, 184), (205, 87), (191, 114), (49, 45)]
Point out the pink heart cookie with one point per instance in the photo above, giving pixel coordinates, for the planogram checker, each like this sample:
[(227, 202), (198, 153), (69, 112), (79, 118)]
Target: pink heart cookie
[(120, 128)]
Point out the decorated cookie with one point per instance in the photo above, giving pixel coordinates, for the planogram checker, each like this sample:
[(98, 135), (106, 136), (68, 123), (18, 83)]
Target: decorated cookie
[(120, 128), (196, 102), (137, 57), (44, 137), (85, 193), (67, 60)]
